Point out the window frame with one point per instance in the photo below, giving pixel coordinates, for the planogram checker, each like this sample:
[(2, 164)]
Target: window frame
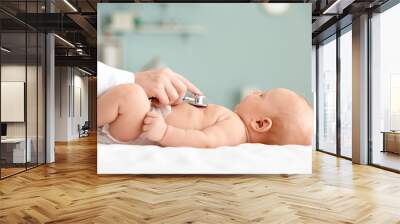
[(334, 37), (381, 9)]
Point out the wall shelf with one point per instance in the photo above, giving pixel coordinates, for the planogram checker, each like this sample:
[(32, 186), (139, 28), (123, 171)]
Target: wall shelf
[(161, 29)]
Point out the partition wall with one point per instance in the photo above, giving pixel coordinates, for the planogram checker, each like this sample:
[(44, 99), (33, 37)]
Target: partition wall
[(23, 91)]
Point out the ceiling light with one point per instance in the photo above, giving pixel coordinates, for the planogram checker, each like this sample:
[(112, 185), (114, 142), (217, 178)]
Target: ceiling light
[(276, 8), (331, 7), (80, 51), (70, 5), (65, 41), (5, 50), (84, 71), (337, 7)]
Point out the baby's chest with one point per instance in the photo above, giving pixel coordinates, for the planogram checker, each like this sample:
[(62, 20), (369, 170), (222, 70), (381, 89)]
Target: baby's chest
[(189, 117)]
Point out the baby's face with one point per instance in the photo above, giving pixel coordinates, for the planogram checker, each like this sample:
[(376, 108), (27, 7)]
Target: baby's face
[(255, 104)]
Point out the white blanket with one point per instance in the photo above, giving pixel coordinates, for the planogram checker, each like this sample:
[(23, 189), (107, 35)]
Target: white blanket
[(242, 159)]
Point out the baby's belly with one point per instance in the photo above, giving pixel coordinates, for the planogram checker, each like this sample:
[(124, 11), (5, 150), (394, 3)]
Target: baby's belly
[(187, 116)]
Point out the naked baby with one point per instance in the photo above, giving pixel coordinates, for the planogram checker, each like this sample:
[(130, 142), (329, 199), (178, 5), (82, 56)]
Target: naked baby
[(277, 117)]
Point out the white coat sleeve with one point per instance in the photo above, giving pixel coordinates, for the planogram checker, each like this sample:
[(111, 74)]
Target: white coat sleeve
[(108, 77)]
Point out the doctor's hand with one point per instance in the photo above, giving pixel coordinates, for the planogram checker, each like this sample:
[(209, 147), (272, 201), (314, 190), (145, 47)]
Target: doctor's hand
[(165, 85), (154, 126)]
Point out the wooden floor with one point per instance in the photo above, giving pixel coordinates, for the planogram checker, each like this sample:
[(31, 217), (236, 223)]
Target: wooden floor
[(70, 191), (10, 171)]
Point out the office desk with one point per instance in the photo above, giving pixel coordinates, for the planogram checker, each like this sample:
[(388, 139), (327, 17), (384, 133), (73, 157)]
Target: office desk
[(13, 150), (391, 141)]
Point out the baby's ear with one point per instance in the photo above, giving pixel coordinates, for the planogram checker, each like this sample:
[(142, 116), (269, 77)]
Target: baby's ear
[(262, 124)]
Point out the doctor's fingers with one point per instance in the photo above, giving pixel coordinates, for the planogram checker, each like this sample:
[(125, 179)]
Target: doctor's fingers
[(162, 96), (171, 92), (180, 89), (192, 88)]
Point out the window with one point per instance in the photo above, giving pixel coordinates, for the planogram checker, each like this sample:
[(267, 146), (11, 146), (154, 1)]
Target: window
[(385, 89), (346, 94), (327, 96), (394, 102), (334, 138)]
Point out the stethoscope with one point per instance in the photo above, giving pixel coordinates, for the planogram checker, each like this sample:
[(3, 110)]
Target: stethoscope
[(196, 100)]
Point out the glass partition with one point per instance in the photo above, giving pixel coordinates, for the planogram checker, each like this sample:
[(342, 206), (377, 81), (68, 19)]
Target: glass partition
[(22, 67), (31, 97), (13, 95), (32, 88), (41, 110)]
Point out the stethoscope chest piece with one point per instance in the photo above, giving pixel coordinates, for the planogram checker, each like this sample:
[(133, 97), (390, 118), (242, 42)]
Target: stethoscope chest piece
[(198, 101)]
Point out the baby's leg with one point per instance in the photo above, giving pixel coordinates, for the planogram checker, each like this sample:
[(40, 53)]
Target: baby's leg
[(123, 107)]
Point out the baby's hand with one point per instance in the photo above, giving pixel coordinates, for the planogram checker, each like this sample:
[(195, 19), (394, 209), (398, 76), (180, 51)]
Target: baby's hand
[(154, 126)]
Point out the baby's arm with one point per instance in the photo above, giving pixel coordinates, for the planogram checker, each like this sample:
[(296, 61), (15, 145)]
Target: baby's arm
[(223, 133)]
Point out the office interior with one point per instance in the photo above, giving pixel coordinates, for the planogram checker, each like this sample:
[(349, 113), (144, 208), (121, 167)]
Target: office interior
[(48, 81), (336, 87), (48, 96)]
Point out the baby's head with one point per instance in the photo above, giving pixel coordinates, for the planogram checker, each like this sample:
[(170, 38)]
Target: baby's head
[(277, 117)]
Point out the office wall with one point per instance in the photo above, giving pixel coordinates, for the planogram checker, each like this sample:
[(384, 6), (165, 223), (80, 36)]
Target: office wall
[(80, 110), (71, 86), (241, 45), (62, 81)]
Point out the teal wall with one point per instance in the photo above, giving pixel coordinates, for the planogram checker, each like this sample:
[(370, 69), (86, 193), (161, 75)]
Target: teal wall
[(242, 46)]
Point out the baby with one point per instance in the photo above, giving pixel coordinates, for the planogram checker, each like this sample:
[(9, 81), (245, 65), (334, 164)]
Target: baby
[(277, 117)]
